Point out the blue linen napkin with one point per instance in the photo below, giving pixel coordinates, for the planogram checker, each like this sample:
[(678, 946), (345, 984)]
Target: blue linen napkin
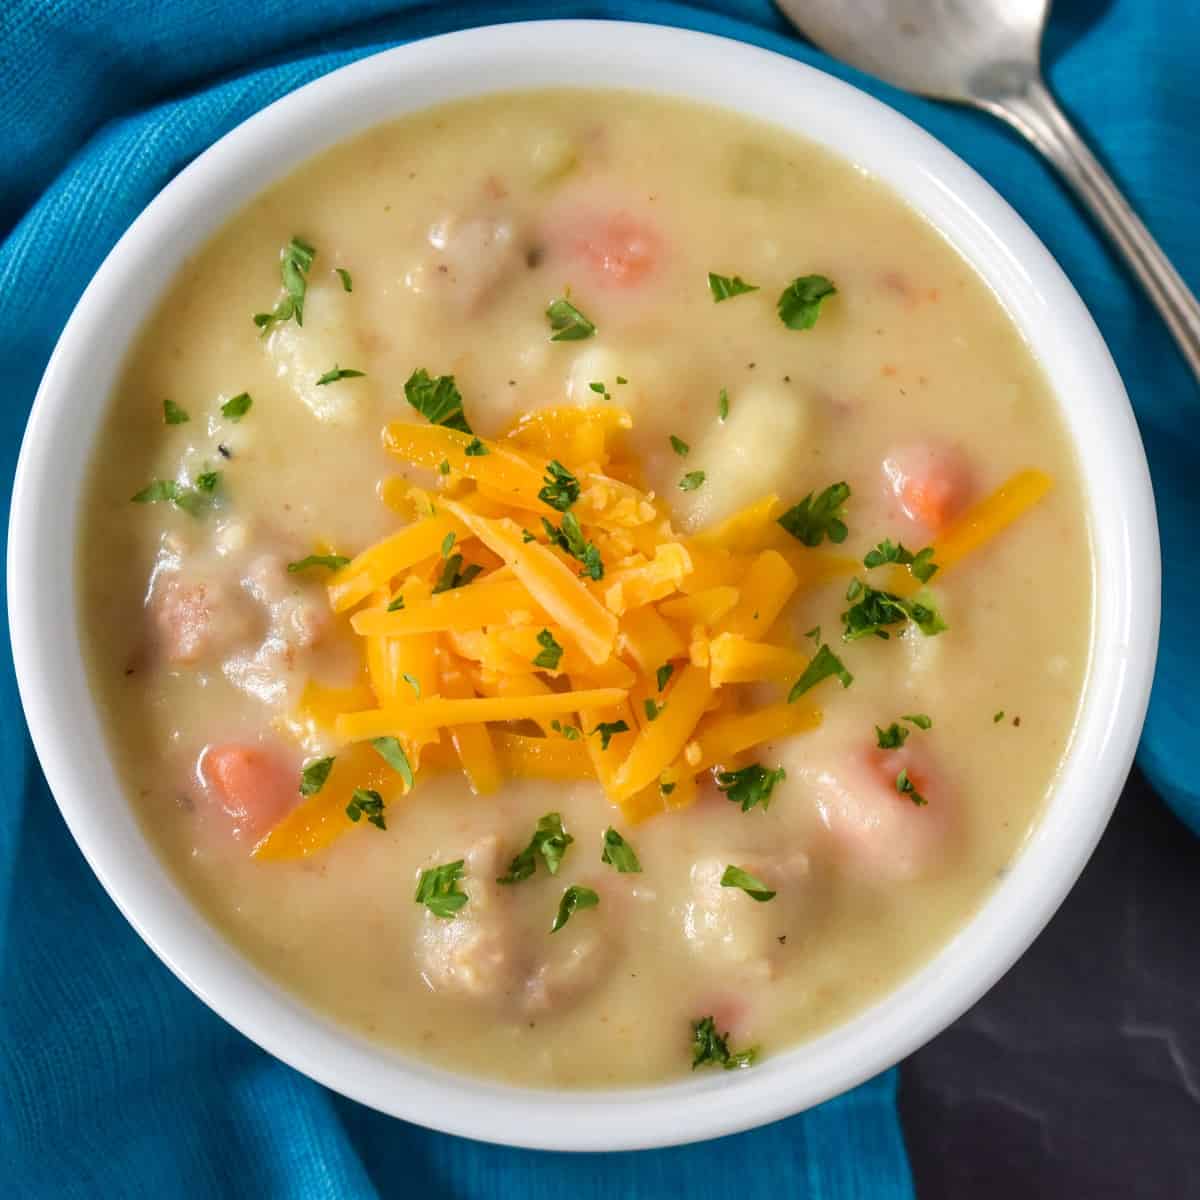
[(114, 1080)]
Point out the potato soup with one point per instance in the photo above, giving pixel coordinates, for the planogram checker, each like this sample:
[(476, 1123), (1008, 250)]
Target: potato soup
[(606, 590)]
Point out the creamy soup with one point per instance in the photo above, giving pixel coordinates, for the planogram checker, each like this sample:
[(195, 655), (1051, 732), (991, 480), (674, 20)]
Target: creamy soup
[(608, 590)]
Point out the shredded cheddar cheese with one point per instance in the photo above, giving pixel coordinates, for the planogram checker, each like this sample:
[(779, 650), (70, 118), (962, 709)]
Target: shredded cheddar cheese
[(632, 672)]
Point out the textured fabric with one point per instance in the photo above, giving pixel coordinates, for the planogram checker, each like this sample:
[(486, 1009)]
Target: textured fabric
[(114, 1080)]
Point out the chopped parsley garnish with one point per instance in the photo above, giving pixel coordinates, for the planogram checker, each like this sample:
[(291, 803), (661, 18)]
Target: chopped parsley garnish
[(814, 635), (895, 735), (437, 400), (601, 390), (921, 564), (569, 538), (173, 414), (568, 323), (751, 785), (608, 730), (725, 288), (192, 500), (812, 520), (550, 654), (448, 543), (691, 481), (332, 562), (444, 466), (413, 682), (392, 753), (824, 664), (438, 889), (904, 786), (619, 853), (453, 576), (665, 788), (871, 610), (679, 446), (314, 774), (397, 602), (235, 408), (366, 802), (335, 373), (475, 449), (752, 886), (663, 675), (622, 380), (562, 488), (295, 262), (998, 717), (800, 303), (891, 738), (652, 708), (527, 537), (710, 1048), (550, 840), (570, 732), (344, 276), (723, 405), (573, 899)]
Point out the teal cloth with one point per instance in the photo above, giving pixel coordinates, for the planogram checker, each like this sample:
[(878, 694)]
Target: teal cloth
[(114, 1080)]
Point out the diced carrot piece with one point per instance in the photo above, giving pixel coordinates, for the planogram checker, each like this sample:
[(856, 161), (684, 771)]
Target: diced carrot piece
[(250, 786), (930, 482), (619, 249)]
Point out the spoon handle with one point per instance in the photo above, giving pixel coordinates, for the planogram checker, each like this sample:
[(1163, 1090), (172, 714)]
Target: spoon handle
[(1035, 113)]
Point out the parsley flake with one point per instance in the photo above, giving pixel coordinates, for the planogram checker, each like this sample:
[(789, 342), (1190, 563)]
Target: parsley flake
[(710, 1048), (236, 407), (437, 400), (812, 520), (475, 449), (397, 602), (549, 842), (336, 373), (680, 446), (173, 414), (920, 565), (904, 786), (573, 900), (652, 708), (871, 610), (751, 785), (750, 884), (619, 853), (344, 276), (800, 303), (725, 288), (191, 500), (569, 538), (723, 405), (392, 753), (314, 775), (438, 890), (550, 654), (824, 664), (366, 802), (332, 562), (608, 730), (568, 323), (453, 576), (570, 732), (891, 738), (663, 674), (296, 260), (562, 488), (691, 481)]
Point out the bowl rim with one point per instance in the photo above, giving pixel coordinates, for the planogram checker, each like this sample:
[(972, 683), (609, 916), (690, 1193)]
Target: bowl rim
[(996, 243)]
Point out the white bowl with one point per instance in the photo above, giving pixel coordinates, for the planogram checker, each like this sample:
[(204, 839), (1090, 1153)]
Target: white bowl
[(71, 404)]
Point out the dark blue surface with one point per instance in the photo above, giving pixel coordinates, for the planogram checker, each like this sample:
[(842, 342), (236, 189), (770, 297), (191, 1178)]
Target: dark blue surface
[(114, 1081)]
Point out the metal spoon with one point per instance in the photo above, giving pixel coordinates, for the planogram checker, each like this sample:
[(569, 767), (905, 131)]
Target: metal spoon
[(987, 53)]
